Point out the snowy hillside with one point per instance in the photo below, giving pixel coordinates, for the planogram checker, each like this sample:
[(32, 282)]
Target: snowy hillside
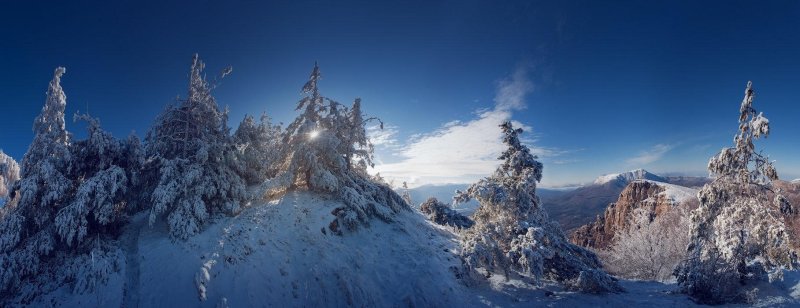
[(677, 193), (275, 254), (278, 254)]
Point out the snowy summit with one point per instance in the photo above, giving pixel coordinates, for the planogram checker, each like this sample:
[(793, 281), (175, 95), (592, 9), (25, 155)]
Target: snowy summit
[(627, 177)]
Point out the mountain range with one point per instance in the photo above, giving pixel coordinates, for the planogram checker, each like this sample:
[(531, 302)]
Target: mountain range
[(572, 208)]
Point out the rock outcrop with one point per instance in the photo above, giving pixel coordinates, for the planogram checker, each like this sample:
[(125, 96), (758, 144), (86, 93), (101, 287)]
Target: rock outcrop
[(578, 207), (655, 197)]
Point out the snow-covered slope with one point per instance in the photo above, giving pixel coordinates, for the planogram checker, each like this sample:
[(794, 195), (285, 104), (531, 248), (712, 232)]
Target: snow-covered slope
[(676, 193), (627, 177), (279, 254), (276, 254)]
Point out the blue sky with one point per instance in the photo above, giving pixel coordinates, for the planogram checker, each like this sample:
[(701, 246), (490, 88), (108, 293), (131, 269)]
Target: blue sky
[(601, 88)]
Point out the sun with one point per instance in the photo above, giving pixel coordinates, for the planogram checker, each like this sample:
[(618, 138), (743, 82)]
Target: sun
[(313, 134)]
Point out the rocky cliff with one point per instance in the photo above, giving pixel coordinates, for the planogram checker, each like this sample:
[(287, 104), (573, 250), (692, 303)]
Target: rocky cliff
[(655, 197)]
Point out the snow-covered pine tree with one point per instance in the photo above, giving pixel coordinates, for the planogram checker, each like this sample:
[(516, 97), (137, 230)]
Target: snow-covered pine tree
[(738, 231), (44, 185), (259, 147), (68, 192), (442, 214), (512, 233), (26, 230), (327, 151), (103, 168), (9, 175), (192, 160)]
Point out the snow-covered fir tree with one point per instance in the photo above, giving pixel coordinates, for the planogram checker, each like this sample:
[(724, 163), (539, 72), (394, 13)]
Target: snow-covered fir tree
[(44, 183), (27, 232), (738, 234), (259, 147), (191, 160), (9, 175), (104, 169), (442, 214), (327, 151), (512, 232), (68, 193)]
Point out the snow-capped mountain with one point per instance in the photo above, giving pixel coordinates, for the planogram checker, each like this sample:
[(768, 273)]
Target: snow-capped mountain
[(656, 197), (796, 181), (630, 176), (580, 206)]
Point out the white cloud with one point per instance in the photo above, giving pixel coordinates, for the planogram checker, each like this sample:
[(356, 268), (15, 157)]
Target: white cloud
[(386, 137), (463, 151), (651, 155), (511, 92)]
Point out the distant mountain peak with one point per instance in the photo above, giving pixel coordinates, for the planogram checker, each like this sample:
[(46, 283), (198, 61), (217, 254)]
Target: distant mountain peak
[(627, 177)]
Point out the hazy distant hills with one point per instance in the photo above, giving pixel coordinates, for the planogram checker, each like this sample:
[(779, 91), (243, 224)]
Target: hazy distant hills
[(446, 192)]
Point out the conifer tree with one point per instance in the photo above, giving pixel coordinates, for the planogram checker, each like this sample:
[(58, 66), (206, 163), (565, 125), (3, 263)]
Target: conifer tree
[(512, 232), (327, 151), (69, 191), (259, 147), (193, 160), (9, 175), (739, 232)]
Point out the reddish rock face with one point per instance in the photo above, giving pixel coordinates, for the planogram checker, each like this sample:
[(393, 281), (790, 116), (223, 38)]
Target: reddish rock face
[(791, 190), (638, 194)]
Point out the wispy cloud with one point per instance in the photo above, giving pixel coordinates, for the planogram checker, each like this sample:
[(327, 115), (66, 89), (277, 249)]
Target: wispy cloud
[(463, 151), (650, 155), (386, 137)]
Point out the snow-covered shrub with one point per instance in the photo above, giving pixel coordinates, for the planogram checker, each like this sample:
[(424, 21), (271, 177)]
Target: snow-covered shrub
[(512, 233), (738, 230), (191, 161), (259, 147), (406, 194), (9, 175), (442, 214), (650, 247), (327, 151)]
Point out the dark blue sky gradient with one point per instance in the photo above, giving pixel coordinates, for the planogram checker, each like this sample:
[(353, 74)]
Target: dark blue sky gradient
[(612, 80)]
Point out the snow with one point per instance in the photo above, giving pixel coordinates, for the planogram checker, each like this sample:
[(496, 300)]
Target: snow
[(677, 193), (627, 177), (276, 254)]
